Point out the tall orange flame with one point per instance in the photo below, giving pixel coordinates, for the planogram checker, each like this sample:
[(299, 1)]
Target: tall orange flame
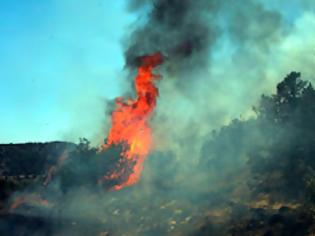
[(130, 119)]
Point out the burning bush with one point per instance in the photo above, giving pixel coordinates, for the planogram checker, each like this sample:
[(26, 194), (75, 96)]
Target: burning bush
[(90, 168)]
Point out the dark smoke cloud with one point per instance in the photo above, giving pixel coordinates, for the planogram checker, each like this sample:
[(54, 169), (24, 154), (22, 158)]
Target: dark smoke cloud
[(180, 29), (202, 90)]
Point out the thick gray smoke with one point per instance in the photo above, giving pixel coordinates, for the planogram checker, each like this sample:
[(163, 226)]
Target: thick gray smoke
[(179, 29), (220, 57)]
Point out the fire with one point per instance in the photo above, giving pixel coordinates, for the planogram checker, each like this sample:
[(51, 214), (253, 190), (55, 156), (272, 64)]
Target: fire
[(33, 199), (130, 125)]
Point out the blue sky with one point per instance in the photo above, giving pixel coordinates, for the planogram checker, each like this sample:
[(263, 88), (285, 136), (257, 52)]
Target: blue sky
[(53, 53)]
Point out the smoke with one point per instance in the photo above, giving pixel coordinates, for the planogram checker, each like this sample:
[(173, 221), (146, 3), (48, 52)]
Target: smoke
[(221, 56), (201, 39), (238, 52), (178, 29)]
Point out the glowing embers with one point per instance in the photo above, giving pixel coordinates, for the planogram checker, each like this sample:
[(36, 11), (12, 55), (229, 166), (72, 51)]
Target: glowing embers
[(130, 119)]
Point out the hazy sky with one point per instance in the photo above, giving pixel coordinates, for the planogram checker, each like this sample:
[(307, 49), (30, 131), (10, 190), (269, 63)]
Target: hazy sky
[(50, 53)]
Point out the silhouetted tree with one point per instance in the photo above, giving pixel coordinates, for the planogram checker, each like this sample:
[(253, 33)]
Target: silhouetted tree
[(278, 145), (285, 164)]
